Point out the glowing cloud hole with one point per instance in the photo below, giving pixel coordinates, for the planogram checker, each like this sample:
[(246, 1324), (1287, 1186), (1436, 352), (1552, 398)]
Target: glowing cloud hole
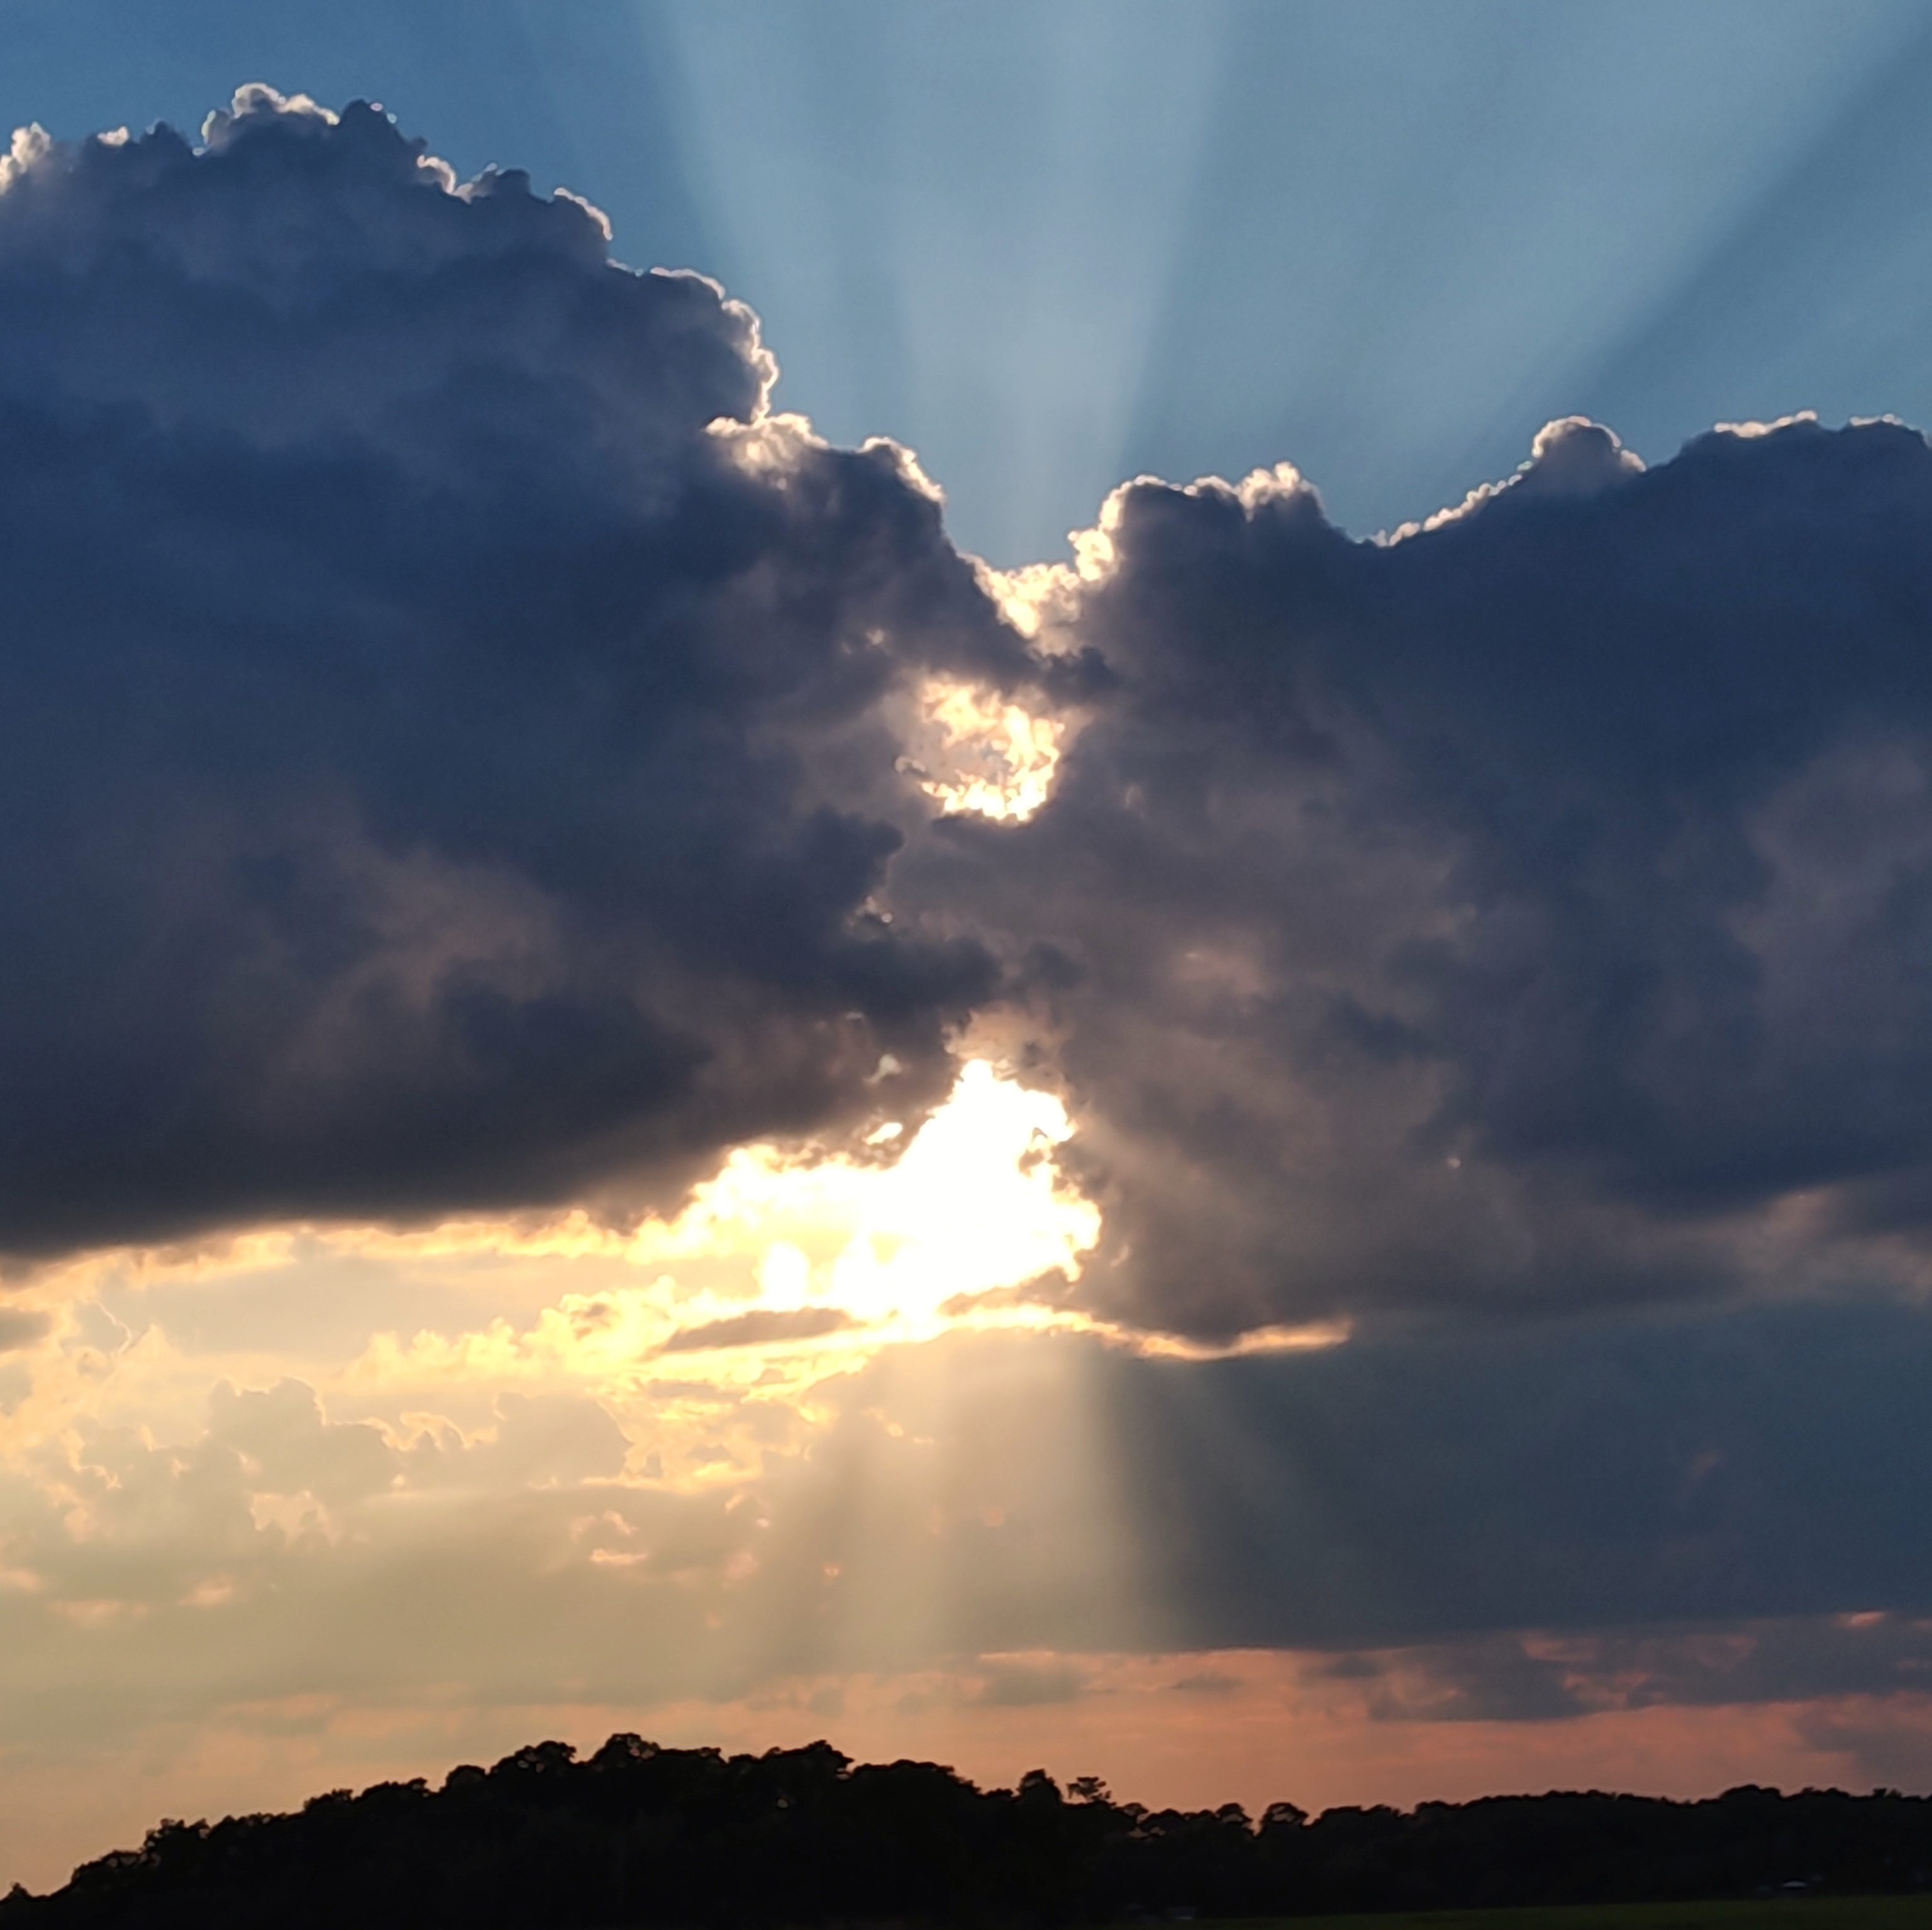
[(977, 751), (782, 1269), (975, 1203)]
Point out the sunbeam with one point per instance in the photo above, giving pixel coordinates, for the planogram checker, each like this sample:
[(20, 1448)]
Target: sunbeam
[(1441, 220), (1010, 175)]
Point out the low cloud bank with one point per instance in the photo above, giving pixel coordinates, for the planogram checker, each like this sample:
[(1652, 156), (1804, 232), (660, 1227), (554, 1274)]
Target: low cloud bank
[(1728, 1511)]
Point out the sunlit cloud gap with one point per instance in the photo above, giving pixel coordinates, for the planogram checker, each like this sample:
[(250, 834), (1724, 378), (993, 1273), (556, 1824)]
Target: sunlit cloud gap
[(829, 1257), (783, 1268), (987, 754)]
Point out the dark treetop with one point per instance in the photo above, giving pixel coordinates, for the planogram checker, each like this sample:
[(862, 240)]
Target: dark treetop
[(640, 1834)]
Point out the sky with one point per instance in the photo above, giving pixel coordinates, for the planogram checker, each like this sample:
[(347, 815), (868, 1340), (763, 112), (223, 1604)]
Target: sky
[(714, 1027), (1052, 246)]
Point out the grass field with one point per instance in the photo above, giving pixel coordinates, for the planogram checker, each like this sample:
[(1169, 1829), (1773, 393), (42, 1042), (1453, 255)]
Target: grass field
[(1817, 1913)]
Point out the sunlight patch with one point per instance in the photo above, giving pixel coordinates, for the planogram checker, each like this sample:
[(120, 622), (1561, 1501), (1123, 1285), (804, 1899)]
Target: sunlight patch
[(781, 1271), (974, 750)]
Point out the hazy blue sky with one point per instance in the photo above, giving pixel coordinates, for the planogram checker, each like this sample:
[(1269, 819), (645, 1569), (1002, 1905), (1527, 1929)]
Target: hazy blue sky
[(1051, 244)]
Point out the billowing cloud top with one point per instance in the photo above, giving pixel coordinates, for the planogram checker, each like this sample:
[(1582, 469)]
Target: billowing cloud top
[(444, 761)]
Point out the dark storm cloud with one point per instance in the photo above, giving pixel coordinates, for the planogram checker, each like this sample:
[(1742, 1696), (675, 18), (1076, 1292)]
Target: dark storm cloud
[(1532, 909), (440, 768), (449, 762), (1624, 1471)]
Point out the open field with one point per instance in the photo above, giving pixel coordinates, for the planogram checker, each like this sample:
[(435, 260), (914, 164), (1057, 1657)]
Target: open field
[(1822, 1913)]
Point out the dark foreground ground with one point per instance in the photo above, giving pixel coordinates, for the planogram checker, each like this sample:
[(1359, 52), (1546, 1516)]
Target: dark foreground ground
[(1851, 1913), (691, 1839)]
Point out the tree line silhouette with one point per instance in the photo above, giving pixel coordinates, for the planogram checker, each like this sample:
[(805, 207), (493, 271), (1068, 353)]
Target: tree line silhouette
[(638, 1835)]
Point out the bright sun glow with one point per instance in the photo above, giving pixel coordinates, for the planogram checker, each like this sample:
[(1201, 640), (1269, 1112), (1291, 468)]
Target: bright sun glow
[(780, 1271), (706, 1337), (703, 1336), (980, 752), (975, 1203)]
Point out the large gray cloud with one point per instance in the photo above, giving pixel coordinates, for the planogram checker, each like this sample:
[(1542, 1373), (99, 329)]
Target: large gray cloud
[(1532, 909), (440, 767), (449, 762)]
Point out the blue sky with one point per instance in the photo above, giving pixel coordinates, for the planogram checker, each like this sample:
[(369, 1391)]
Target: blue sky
[(1052, 245)]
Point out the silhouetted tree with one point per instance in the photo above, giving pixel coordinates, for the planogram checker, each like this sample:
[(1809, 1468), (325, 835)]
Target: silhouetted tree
[(692, 1839)]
